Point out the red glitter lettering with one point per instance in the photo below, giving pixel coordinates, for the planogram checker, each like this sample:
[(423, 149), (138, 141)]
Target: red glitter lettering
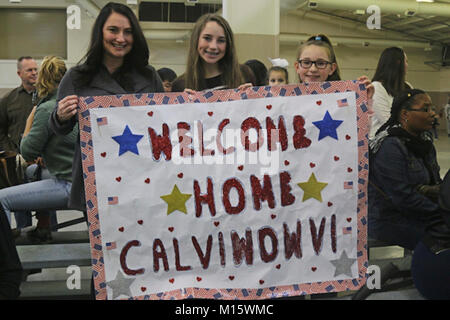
[(293, 244), (161, 254), (204, 198), (204, 258), (275, 135), (242, 247), (123, 258), (219, 135), (317, 239), (287, 198), (262, 194), (233, 183), (185, 141), (333, 233), (203, 151), (262, 234), (161, 144), (178, 265), (300, 141), (247, 124)]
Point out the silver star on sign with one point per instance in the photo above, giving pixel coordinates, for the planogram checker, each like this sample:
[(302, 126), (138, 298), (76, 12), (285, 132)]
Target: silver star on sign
[(120, 285), (343, 265)]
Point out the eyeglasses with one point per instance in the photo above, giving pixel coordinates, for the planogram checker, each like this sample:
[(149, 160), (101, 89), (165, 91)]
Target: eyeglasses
[(320, 64), (423, 109)]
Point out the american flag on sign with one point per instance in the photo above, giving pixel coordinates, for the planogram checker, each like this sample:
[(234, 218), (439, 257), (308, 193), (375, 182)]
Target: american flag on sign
[(342, 103), (102, 121), (348, 185), (113, 200), (347, 230), (111, 245)]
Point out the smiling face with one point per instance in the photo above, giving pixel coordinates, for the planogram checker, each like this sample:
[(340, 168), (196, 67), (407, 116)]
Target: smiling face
[(419, 117), (117, 37), (212, 44), (313, 74), (28, 72)]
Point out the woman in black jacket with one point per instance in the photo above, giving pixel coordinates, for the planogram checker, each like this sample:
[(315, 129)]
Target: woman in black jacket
[(116, 63)]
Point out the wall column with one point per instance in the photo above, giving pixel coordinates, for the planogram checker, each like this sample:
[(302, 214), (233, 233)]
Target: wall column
[(256, 28)]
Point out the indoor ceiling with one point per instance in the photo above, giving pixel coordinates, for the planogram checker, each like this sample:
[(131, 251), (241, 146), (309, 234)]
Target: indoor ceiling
[(406, 17)]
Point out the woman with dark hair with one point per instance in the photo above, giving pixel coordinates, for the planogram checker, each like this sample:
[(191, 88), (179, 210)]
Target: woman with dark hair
[(212, 60), (389, 81), (116, 63), (404, 180)]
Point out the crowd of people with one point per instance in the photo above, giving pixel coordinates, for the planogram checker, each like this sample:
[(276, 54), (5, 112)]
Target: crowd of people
[(39, 127)]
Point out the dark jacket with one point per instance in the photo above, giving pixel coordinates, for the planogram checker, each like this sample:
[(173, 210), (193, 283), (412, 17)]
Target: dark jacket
[(14, 110), (398, 172), (102, 84)]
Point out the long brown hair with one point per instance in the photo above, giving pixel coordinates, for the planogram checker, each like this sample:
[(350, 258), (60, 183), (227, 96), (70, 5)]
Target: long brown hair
[(229, 66)]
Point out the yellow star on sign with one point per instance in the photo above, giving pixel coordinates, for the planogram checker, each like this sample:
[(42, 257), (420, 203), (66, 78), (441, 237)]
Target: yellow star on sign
[(312, 188), (176, 200)]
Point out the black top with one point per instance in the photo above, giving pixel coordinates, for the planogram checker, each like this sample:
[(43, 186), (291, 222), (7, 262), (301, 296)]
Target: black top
[(214, 83)]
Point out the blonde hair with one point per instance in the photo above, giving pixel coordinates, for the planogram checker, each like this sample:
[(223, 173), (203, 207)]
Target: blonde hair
[(52, 71)]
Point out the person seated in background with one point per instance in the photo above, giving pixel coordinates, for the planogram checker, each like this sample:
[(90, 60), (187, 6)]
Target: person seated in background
[(259, 70), (57, 153), (167, 76), (430, 264), (404, 178), (247, 74)]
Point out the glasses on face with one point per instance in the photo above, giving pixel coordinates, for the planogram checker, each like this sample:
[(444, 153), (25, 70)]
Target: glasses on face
[(320, 64), (428, 108)]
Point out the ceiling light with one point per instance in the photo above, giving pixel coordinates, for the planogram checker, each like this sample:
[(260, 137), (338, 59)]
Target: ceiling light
[(424, 0)]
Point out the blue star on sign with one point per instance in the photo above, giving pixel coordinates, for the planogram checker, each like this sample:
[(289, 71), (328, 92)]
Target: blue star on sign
[(128, 141), (327, 127)]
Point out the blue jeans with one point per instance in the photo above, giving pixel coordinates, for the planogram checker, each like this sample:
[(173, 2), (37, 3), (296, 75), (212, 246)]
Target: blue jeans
[(23, 218), (48, 194)]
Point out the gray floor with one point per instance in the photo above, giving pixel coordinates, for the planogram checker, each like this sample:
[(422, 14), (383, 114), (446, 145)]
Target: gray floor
[(443, 147)]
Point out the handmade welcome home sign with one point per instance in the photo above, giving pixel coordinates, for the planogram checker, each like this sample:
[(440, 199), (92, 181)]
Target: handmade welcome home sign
[(227, 194)]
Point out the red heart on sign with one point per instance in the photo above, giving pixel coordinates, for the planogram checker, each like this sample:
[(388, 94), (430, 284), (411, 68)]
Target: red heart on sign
[(336, 158), (150, 114), (180, 175), (261, 281), (140, 221), (349, 169), (143, 289), (172, 280), (330, 203), (278, 266), (210, 113), (103, 154), (273, 216), (170, 229), (199, 279), (121, 229), (313, 269), (319, 102), (348, 137), (241, 168), (269, 107), (286, 162), (118, 179), (147, 181), (216, 223), (312, 164), (349, 219), (231, 278)]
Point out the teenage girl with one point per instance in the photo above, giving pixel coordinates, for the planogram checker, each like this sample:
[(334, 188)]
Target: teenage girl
[(316, 62), (212, 61)]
